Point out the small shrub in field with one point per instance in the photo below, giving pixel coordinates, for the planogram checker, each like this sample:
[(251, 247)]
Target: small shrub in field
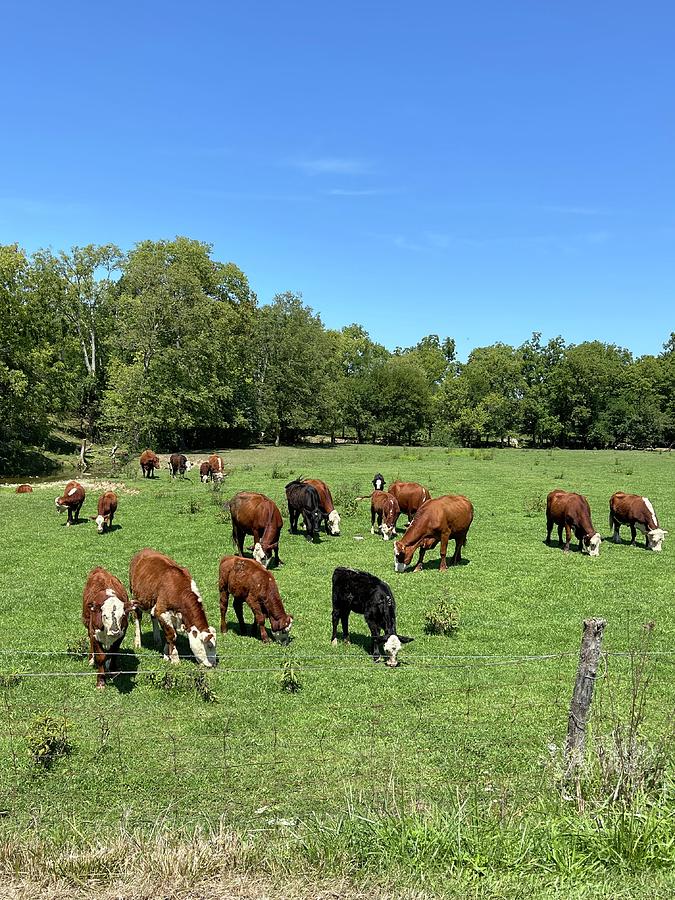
[(280, 472), (215, 491), (78, 648), (627, 471), (534, 505), (47, 740), (202, 686), (481, 454), (224, 515), (289, 680), (442, 618), (173, 680), (193, 507), (560, 476), (344, 497), (9, 679)]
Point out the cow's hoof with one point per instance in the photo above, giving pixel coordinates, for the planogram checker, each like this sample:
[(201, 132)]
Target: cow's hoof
[(100, 686), (334, 642), (417, 569)]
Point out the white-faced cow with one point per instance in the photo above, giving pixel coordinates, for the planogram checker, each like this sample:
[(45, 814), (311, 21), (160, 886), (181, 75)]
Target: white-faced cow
[(638, 513), (249, 582), (216, 469), (168, 592), (329, 515), (361, 592), (571, 511), (105, 615), (303, 499), (204, 472), (179, 464), (379, 482), (384, 507), (410, 496), (257, 515), (71, 501), (107, 507), (149, 462), (441, 520)]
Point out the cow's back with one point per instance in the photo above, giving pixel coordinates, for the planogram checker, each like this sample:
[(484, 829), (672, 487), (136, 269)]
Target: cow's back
[(151, 573), (452, 512), (409, 494), (322, 489)]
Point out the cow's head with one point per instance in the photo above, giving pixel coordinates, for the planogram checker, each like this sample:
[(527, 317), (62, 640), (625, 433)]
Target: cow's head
[(379, 482), (402, 556), (99, 524), (281, 628), (334, 522), (188, 465), (655, 539), (314, 520), (60, 506), (591, 545), (391, 647), (260, 556), (204, 475), (203, 645), (387, 531)]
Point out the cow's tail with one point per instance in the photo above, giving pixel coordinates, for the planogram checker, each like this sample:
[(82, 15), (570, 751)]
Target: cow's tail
[(611, 519)]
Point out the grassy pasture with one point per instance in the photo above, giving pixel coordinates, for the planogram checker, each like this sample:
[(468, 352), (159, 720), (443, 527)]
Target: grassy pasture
[(465, 720)]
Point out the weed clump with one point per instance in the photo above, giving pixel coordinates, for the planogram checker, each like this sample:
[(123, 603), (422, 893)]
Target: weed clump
[(344, 498), (289, 680), (534, 505), (173, 680), (78, 648), (47, 740), (9, 679), (442, 618)]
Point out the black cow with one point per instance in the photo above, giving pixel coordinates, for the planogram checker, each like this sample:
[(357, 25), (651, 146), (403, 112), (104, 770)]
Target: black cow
[(379, 482), (361, 592), (304, 498), (179, 464)]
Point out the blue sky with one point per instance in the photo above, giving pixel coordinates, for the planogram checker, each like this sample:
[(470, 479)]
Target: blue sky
[(480, 170)]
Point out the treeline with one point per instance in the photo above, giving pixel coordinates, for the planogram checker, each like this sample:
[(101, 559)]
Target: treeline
[(165, 346)]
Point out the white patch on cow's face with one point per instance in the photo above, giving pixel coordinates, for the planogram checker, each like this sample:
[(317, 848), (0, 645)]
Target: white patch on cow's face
[(388, 531), (655, 539), (112, 612), (651, 511), (259, 554), (379, 484), (72, 491), (204, 478), (391, 647), (593, 545), (59, 506), (203, 645), (334, 522), (188, 466), (398, 566), (99, 524)]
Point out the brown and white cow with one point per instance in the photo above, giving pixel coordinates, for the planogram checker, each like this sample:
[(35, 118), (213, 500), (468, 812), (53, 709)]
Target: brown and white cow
[(259, 516), (204, 472), (107, 507), (105, 615), (329, 515), (636, 512), (384, 506), (71, 500), (24, 489), (571, 511), (168, 592), (216, 468), (178, 464), (410, 496), (437, 521), (249, 582), (149, 462)]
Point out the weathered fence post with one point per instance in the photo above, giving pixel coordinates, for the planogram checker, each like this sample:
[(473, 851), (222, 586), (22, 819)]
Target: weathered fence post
[(582, 696)]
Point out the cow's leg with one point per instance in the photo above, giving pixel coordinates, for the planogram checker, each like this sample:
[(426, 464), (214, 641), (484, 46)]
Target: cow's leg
[(616, 537), (568, 537), (445, 537), (92, 649), (238, 605), (336, 619), (224, 599), (170, 650), (99, 659), (260, 622), (77, 512), (156, 631), (633, 533), (137, 614), (375, 634), (114, 658), (549, 529), (418, 567), (276, 556)]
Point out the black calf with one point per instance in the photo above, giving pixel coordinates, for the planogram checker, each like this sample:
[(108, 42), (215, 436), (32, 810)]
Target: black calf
[(379, 482), (304, 499)]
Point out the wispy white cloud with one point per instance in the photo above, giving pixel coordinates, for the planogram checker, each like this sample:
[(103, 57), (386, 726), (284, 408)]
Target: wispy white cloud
[(333, 165)]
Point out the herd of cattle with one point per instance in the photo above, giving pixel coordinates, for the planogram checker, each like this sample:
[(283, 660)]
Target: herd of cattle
[(166, 590)]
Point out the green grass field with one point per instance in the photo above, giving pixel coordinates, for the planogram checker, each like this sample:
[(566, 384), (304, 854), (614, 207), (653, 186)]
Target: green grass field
[(465, 723)]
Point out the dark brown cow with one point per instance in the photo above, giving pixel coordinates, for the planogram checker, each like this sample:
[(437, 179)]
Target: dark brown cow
[(571, 511), (167, 591), (636, 512), (249, 582), (443, 519), (259, 516), (179, 464), (329, 514), (105, 615), (24, 489), (410, 496), (216, 467), (204, 472), (149, 462), (72, 500), (384, 506), (107, 507)]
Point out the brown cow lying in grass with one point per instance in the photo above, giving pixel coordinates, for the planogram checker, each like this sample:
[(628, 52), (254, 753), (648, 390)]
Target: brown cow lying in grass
[(105, 615), (249, 582)]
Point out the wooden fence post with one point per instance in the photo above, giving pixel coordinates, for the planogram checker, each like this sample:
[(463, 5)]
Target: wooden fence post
[(582, 696)]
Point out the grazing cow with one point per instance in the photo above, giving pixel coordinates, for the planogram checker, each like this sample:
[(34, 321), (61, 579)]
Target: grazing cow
[(149, 462), (361, 592), (329, 515), (167, 591), (204, 472), (410, 496), (72, 500), (179, 464), (572, 512), (250, 582), (105, 615), (636, 512), (216, 467), (379, 482), (24, 489), (384, 506), (443, 519), (304, 499), (107, 507), (259, 516)]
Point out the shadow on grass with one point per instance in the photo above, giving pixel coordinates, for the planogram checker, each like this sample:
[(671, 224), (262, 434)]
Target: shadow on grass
[(129, 665)]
